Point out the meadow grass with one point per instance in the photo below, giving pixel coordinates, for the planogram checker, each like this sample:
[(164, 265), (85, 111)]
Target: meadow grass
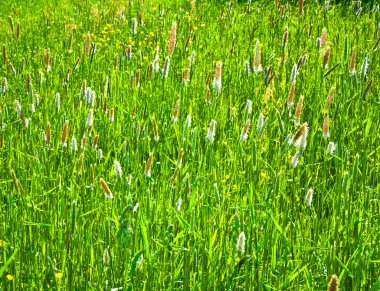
[(151, 145)]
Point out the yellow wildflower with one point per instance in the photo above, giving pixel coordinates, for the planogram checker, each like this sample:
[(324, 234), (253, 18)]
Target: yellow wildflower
[(10, 277), (3, 244), (203, 25), (264, 175), (195, 28), (58, 275)]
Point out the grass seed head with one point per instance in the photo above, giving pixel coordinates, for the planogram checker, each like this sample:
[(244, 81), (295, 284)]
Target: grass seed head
[(117, 169), (138, 76), (309, 197), (330, 148), (172, 38), (128, 52), (165, 72), (326, 126), (65, 131), (293, 75), (74, 146), (106, 257), (178, 205), (333, 284), (324, 37), (217, 83), (299, 111), (211, 131), (112, 115), (156, 136), (148, 165), (300, 7), (87, 45), (57, 101), (364, 66), (301, 136), (175, 111), (257, 58), (295, 159), (285, 38), (180, 156), (248, 107), (245, 130), (329, 99), (326, 57), (240, 245), (134, 26), (90, 119), (18, 108), (353, 61), (4, 85), (95, 141), (260, 124), (292, 91), (83, 142), (106, 189)]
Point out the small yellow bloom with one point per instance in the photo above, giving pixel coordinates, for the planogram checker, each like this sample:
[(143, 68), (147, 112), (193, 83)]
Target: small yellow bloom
[(58, 275), (151, 34), (187, 13), (200, 46), (227, 177), (203, 25), (264, 175), (154, 8), (223, 181), (10, 277), (3, 244), (195, 28), (235, 186)]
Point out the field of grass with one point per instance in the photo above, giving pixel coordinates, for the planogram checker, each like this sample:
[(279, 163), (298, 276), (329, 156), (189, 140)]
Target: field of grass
[(213, 145)]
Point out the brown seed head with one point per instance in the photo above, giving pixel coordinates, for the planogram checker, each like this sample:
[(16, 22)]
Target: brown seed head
[(326, 126), (324, 37), (333, 284), (87, 44), (326, 56), (172, 38), (292, 90), (105, 187), (65, 132), (148, 165), (299, 110)]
